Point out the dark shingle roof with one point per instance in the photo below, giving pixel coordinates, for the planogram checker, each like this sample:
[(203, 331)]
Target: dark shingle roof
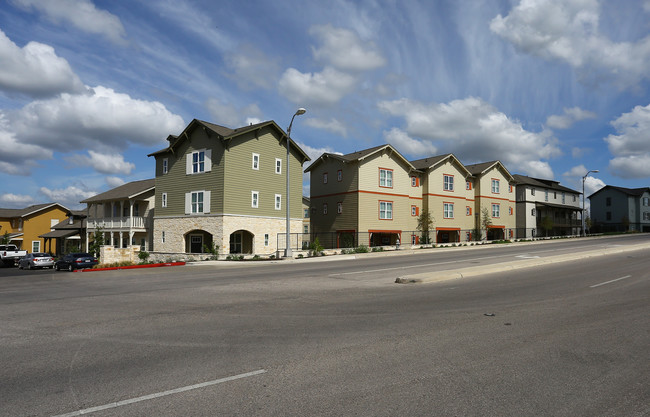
[(479, 168), (425, 163), (128, 190), (636, 192), (542, 183), (27, 210)]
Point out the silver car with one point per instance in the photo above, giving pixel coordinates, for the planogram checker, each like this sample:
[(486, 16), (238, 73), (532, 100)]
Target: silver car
[(36, 260)]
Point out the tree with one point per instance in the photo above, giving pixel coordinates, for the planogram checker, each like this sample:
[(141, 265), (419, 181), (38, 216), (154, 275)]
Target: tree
[(547, 224), (588, 223), (486, 220), (626, 223), (98, 242), (5, 238), (425, 223)]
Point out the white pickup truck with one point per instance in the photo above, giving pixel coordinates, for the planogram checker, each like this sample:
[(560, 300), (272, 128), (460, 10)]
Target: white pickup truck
[(9, 254)]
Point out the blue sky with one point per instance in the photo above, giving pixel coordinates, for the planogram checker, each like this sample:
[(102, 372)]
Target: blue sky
[(551, 88)]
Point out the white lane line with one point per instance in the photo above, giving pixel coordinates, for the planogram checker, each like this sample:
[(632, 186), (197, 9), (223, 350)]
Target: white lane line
[(160, 394), (609, 282)]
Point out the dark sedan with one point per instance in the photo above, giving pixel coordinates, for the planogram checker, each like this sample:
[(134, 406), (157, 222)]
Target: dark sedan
[(74, 261)]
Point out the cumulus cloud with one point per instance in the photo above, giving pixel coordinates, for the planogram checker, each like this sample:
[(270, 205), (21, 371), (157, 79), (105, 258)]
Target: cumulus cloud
[(103, 163), (475, 131), (102, 120), (321, 88), (631, 147), (570, 116), (409, 146), (568, 31), (315, 153), (332, 125), (17, 158), (252, 68), (69, 196), (343, 49), (228, 115), (81, 14), (114, 181), (35, 70), (10, 200)]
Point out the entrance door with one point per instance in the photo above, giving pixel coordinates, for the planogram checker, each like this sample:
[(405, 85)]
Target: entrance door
[(235, 242), (196, 244)]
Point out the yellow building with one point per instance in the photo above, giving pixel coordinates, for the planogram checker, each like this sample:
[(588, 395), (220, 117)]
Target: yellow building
[(23, 227)]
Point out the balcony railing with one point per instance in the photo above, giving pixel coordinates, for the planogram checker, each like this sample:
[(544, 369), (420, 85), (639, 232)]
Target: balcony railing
[(136, 222)]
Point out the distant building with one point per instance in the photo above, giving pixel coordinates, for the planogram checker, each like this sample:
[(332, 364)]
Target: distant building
[(540, 199), (24, 227), (620, 209)]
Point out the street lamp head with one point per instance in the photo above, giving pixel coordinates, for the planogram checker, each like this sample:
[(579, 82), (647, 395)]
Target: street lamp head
[(300, 111), (594, 170)]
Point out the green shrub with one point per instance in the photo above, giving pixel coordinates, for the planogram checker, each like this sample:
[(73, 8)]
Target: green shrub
[(361, 249), (144, 257)]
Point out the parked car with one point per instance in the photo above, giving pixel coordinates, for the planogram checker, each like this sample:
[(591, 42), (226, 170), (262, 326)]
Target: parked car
[(9, 254), (36, 260), (74, 261)]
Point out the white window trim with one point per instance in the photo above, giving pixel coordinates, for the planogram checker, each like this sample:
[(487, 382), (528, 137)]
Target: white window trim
[(165, 166), (278, 201), (38, 244), (447, 210), (162, 237), (387, 213), (255, 164), (255, 199), (448, 182), (207, 161), (266, 239), (164, 200), (206, 202), (278, 166)]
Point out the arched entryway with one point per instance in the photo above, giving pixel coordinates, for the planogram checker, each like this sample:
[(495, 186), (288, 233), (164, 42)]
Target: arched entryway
[(241, 241), (197, 240)]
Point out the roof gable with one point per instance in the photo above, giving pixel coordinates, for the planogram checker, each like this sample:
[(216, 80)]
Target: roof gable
[(434, 161), (28, 211), (482, 168), (128, 190), (361, 155), (636, 192)]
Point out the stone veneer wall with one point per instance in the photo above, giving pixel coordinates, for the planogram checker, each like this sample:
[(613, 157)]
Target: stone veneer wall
[(176, 228), (110, 255), (258, 226)]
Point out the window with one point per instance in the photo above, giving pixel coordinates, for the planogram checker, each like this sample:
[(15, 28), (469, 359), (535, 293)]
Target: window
[(386, 210), (468, 211), (448, 210), (36, 246), (608, 201), (554, 195), (324, 177), (414, 210), (255, 199), (164, 199), (533, 212), (339, 208), (608, 215), (468, 185), (339, 175), (278, 166), (509, 188), (197, 202), (415, 181), (545, 195), (305, 228), (563, 197), (198, 162), (510, 211), (532, 191), (495, 186), (306, 213), (496, 210), (646, 215), (574, 198), (256, 161), (448, 182), (162, 237), (165, 165), (646, 201), (278, 202), (324, 208), (266, 239), (386, 178)]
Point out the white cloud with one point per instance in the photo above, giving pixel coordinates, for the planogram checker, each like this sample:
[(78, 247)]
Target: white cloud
[(16, 201), (322, 88), (409, 146), (475, 131), (81, 14), (69, 196), (315, 153), (228, 115), (252, 68), (102, 162), (114, 181), (35, 70), (100, 120), (18, 158), (568, 31), (592, 184), (343, 49), (570, 116), (332, 125), (631, 147)]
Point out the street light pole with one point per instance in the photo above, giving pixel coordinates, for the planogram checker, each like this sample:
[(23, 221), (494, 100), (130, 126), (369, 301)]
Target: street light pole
[(583, 199), (287, 250)]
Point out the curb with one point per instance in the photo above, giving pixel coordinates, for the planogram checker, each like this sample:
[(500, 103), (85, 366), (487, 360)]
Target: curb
[(113, 268), (428, 277)]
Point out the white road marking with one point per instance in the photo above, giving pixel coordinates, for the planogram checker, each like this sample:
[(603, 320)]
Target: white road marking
[(527, 256), (609, 282), (160, 394)]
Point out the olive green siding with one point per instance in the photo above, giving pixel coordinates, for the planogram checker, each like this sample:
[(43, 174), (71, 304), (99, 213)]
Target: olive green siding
[(240, 179), (436, 196)]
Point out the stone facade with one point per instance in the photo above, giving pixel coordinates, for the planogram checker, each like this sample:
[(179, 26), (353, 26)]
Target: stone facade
[(112, 255)]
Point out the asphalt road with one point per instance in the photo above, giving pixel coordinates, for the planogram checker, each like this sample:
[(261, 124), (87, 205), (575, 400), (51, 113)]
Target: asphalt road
[(333, 338)]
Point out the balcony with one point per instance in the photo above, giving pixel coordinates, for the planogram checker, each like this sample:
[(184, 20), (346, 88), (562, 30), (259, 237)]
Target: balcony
[(117, 223)]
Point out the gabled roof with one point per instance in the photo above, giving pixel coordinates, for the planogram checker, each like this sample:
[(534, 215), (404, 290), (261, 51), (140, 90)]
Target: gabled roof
[(432, 161), (225, 134), (360, 156), (483, 167), (27, 211), (635, 192), (128, 190), (542, 183)]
